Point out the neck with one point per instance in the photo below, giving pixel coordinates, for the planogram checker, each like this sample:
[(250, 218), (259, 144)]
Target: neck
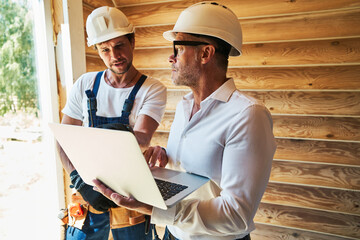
[(124, 80), (205, 87)]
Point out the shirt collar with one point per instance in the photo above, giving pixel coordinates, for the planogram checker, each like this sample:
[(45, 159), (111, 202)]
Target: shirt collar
[(223, 93)]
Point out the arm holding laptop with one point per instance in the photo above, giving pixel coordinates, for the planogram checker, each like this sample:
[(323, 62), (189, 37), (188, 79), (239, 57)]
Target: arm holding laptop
[(153, 155), (144, 128), (127, 202)]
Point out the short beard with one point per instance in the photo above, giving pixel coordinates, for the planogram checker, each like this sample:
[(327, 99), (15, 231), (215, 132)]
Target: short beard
[(121, 73), (187, 75)]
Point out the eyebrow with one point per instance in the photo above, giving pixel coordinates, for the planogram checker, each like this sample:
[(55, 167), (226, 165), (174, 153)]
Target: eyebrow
[(116, 44)]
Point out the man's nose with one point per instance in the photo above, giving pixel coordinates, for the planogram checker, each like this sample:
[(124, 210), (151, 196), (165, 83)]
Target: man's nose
[(114, 54), (172, 59)]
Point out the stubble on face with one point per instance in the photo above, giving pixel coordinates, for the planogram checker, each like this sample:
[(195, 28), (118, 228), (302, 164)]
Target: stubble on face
[(122, 47), (186, 74), (114, 69)]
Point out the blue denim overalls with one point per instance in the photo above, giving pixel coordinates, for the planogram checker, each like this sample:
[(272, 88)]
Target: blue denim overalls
[(97, 226)]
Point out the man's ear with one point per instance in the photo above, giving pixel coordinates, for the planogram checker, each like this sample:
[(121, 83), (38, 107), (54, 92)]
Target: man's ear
[(208, 53), (132, 43)]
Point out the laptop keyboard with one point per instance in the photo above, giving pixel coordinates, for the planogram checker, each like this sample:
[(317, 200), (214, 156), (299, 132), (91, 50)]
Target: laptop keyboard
[(169, 189)]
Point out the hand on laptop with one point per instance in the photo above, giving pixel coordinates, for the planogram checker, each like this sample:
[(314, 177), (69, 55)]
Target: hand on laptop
[(156, 154), (126, 202)]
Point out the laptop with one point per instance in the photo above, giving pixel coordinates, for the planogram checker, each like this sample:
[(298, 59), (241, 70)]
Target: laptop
[(115, 158)]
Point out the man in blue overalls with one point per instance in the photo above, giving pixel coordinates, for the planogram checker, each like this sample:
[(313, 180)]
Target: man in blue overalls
[(119, 97)]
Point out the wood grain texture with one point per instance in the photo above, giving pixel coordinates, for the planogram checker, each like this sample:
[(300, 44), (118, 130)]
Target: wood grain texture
[(307, 78), (319, 52), (318, 151), (327, 128), (87, 9), (98, 3), (151, 36), (271, 232), (320, 221), (295, 102), (343, 153), (304, 26), (340, 23), (342, 201), (340, 51), (94, 64), (58, 18), (168, 12), (324, 175), (120, 3), (322, 103)]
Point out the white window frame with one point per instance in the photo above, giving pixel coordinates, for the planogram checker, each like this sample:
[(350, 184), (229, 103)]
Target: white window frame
[(70, 60)]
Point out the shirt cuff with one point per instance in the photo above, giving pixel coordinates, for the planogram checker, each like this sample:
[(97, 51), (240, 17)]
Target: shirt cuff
[(163, 217)]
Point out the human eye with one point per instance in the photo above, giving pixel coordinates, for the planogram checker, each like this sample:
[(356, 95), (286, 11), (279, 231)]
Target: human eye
[(180, 49), (119, 45)]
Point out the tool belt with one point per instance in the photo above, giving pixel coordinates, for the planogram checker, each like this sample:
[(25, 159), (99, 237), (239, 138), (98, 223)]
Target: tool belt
[(119, 217)]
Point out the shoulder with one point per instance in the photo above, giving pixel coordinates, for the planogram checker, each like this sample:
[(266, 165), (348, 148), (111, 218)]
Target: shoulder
[(244, 102), (86, 78), (154, 82), (244, 99), (153, 85), (85, 81)]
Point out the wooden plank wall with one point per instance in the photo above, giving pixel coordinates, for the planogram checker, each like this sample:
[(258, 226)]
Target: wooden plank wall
[(302, 59)]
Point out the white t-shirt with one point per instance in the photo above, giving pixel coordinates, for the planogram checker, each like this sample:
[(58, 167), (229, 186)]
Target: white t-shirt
[(150, 99)]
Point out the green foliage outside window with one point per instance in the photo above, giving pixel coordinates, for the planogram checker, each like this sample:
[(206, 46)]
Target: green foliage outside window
[(18, 83)]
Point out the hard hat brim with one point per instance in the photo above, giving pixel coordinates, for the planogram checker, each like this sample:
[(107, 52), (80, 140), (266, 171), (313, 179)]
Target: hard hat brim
[(110, 36), (171, 36)]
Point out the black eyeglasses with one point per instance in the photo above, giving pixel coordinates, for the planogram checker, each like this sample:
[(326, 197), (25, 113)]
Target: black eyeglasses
[(186, 43)]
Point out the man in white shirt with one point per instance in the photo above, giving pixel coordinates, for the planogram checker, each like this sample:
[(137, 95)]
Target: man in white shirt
[(119, 97), (218, 132)]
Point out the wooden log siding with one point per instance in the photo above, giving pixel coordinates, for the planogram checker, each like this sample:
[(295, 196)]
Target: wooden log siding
[(269, 29), (320, 52), (302, 127), (343, 201), (271, 232), (345, 153), (296, 102), (310, 219), (168, 11), (302, 60), (247, 78), (302, 26)]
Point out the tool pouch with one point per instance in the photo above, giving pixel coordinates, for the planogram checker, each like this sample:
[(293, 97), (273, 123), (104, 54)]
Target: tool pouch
[(122, 217), (77, 220)]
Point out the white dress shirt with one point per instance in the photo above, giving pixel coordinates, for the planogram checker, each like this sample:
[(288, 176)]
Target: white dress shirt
[(230, 141)]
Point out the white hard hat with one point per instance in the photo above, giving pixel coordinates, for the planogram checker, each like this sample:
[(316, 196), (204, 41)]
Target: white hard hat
[(105, 23), (211, 19)]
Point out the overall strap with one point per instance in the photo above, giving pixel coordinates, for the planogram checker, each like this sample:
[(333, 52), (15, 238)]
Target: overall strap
[(97, 83), (129, 102), (91, 101)]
